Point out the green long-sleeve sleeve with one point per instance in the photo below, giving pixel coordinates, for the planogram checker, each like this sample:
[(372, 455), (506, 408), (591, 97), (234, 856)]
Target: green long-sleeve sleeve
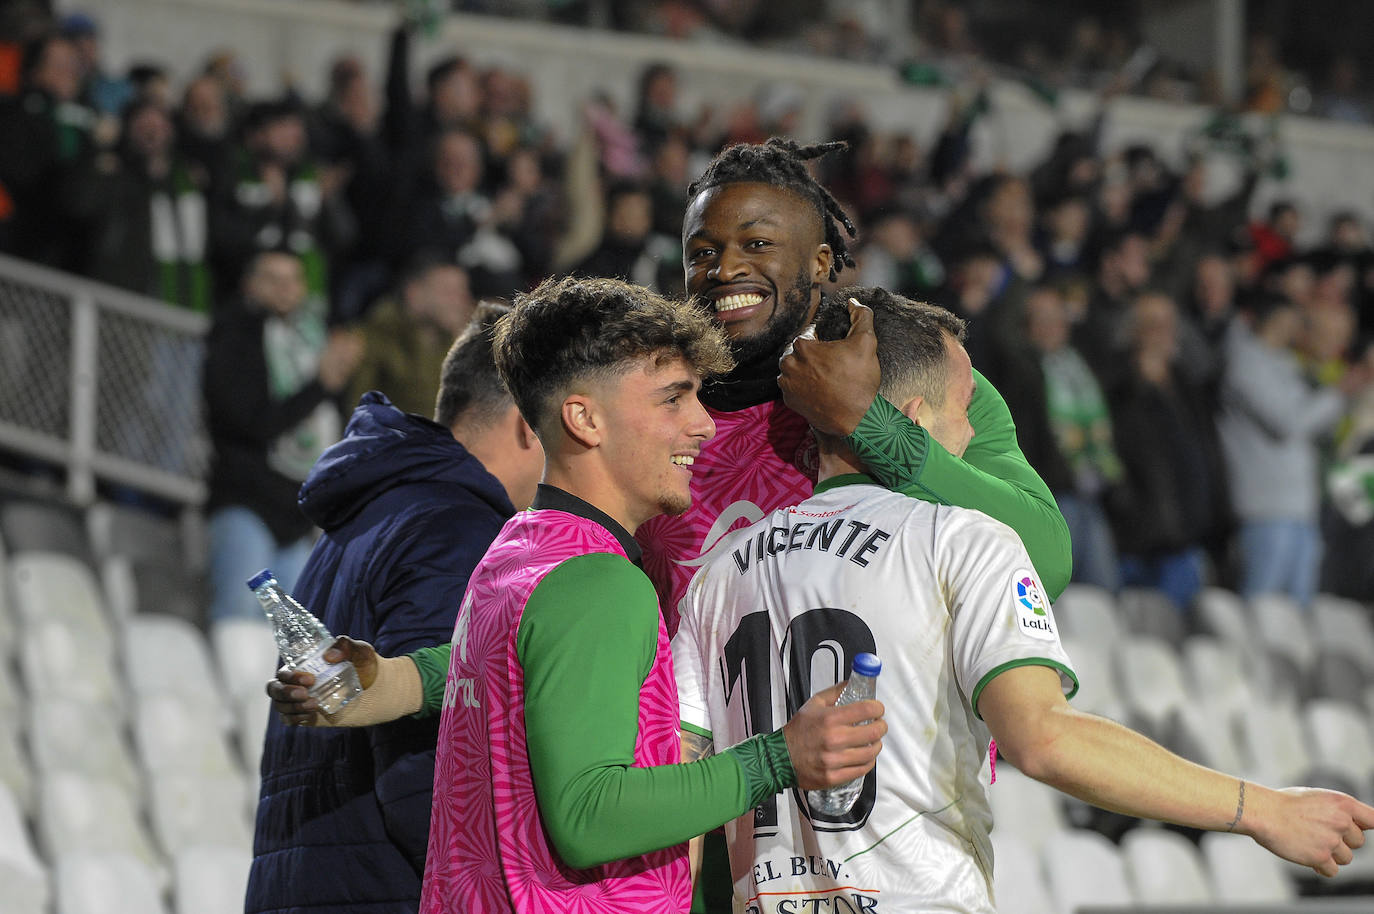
[(586, 642), (993, 476), (432, 662)]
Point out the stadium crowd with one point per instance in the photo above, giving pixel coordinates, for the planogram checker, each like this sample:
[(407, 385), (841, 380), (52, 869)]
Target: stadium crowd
[(1191, 381)]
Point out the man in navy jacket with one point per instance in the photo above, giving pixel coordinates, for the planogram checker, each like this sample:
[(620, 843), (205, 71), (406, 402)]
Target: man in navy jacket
[(408, 507)]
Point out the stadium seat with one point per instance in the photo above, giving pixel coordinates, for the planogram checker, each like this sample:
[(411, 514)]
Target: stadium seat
[(1222, 612), (1338, 675), (60, 661), (1271, 733), (1082, 867), (69, 735), (25, 879), (211, 880), (107, 883), (1147, 611), (1286, 633), (1017, 881), (245, 654), (1216, 672), (51, 586), (251, 723), (1164, 867), (8, 624), (35, 526), (174, 735), (80, 813), (1152, 684), (1339, 735), (160, 649), (1088, 614), (1097, 690), (133, 533), (1242, 872), (16, 774), (1341, 626), (191, 809), (1023, 807), (1206, 733)]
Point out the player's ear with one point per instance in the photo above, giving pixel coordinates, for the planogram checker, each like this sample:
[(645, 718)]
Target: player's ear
[(821, 264), (582, 419), (912, 409)]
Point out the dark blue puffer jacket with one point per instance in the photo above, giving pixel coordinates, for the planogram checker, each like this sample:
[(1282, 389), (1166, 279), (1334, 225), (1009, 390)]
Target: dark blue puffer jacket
[(343, 815)]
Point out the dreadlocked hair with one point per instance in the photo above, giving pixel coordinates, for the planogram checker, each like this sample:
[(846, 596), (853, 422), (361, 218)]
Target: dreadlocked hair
[(781, 163)]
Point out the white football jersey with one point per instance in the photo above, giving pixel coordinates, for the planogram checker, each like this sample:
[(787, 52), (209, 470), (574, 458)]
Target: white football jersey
[(947, 598)]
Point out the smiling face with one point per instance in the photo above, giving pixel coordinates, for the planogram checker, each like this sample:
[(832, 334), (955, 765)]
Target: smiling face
[(755, 255), (651, 427)]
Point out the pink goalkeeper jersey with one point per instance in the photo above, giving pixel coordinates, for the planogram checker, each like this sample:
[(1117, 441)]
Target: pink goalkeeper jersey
[(488, 851), (761, 459)]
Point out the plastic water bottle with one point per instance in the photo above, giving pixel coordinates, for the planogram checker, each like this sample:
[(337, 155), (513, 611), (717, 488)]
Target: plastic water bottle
[(862, 685), (302, 640)]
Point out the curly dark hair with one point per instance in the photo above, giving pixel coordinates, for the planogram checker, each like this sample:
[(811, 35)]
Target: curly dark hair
[(782, 163), (570, 329)]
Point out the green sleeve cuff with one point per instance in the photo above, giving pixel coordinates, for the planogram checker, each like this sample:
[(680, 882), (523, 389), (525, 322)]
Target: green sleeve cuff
[(891, 446), (996, 671), (767, 765), (432, 662)]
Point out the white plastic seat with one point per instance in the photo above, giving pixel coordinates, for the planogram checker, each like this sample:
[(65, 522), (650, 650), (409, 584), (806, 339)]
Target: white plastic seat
[(25, 885), (161, 648), (16, 774), (1082, 867), (107, 883), (1017, 880), (1088, 613), (8, 625), (251, 720), (1284, 629), (1242, 872), (1164, 867), (1272, 736), (1223, 613), (1206, 733), (50, 585), (245, 654), (1022, 806), (1149, 611), (211, 880), (1151, 682), (1340, 737), (173, 735), (56, 660), (182, 805), (1216, 672), (1343, 627), (1097, 689), (68, 735), (79, 813)]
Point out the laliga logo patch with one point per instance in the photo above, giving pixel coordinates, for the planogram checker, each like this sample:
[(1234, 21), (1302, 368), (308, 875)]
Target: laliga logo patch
[(1032, 609)]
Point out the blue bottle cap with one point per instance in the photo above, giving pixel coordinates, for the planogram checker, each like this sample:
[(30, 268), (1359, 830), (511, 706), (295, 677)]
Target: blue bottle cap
[(867, 664), (261, 578)]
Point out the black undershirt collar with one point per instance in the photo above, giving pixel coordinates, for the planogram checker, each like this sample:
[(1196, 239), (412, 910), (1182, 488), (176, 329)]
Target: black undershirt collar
[(752, 384), (552, 498)]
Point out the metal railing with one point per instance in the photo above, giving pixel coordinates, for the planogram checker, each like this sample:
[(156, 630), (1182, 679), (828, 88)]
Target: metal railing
[(101, 383)]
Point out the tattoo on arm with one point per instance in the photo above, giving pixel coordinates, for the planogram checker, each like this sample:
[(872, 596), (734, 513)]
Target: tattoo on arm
[(1240, 808), (695, 747)]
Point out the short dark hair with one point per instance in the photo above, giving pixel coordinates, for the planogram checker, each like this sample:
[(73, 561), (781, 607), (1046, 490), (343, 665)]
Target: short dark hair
[(569, 329), (911, 340), (782, 163), (470, 389)]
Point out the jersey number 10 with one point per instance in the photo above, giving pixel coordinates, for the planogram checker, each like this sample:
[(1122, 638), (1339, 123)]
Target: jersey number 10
[(818, 640)]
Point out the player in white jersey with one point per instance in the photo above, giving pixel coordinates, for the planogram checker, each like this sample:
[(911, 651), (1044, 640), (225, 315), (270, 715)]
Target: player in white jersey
[(948, 598)]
